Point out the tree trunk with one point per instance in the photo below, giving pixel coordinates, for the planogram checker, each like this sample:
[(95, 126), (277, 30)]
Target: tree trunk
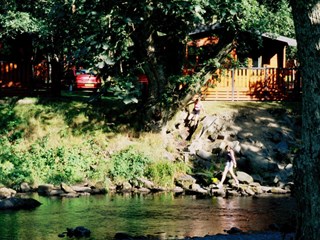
[(56, 76), (306, 14)]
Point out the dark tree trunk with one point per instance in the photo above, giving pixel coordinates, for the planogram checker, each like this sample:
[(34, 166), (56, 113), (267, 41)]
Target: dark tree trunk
[(306, 14), (56, 77)]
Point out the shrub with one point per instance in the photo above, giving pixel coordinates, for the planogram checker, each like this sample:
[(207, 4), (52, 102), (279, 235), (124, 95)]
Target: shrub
[(68, 164), (163, 172), (128, 164), (44, 163), (12, 166)]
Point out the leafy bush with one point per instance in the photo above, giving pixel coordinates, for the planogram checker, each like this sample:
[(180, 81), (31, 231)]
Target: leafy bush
[(69, 164), (12, 165), (42, 163), (9, 121), (163, 172), (128, 164), (125, 89)]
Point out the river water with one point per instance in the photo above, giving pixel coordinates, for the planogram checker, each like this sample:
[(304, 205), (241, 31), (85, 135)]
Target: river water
[(164, 215)]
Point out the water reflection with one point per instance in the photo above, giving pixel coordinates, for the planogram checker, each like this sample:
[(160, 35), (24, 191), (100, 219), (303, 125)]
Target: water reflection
[(160, 214)]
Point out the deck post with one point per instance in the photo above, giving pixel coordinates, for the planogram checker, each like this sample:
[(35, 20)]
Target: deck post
[(232, 83)]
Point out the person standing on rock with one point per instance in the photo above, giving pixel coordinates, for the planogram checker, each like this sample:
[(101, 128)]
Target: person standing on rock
[(194, 115), (230, 164)]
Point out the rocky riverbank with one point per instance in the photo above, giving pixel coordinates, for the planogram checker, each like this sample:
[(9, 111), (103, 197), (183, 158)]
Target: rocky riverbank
[(265, 141)]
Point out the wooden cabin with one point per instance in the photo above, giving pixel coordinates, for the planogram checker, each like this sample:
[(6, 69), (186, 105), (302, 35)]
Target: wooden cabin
[(20, 73), (266, 76)]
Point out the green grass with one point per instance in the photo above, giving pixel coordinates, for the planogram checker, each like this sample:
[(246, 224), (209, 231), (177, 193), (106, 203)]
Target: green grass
[(213, 107), (68, 139)]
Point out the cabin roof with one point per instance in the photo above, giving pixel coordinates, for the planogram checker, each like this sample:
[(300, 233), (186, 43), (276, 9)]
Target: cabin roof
[(212, 27), (206, 28), (290, 41)]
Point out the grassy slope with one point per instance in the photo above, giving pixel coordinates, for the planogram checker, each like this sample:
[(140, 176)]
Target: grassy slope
[(72, 140)]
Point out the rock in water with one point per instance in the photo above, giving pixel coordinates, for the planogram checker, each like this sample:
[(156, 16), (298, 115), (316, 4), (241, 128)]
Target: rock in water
[(78, 232), (15, 203)]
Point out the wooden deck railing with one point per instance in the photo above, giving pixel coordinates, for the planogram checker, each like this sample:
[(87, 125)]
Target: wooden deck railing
[(231, 84), (14, 75), (254, 84), (23, 78)]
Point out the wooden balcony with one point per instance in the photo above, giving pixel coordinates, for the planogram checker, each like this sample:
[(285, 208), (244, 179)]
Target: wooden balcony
[(254, 84)]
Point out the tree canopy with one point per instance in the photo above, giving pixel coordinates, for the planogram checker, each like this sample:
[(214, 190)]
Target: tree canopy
[(124, 38)]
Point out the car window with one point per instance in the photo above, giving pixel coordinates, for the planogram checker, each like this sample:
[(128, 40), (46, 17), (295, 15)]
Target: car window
[(85, 71)]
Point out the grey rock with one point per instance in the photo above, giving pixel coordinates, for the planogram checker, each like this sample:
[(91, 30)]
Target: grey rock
[(276, 190), (204, 154), (78, 232), (178, 189), (45, 189), (185, 181), (99, 188), (7, 192), (145, 183), (14, 203), (67, 188), (244, 177), (24, 187), (81, 189)]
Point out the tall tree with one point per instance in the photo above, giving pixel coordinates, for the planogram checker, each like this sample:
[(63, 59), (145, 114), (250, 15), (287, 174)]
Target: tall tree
[(140, 33), (120, 37), (306, 16)]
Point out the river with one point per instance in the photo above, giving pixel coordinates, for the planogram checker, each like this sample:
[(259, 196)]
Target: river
[(168, 215)]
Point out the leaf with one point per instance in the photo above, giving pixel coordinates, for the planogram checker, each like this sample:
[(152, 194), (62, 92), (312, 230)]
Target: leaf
[(100, 65), (105, 46), (161, 34), (129, 100), (233, 12)]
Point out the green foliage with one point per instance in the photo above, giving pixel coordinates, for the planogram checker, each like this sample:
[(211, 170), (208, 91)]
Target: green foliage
[(42, 163), (125, 89), (9, 122), (163, 172), (171, 93), (12, 165), (128, 164), (8, 118), (64, 164), (15, 22), (116, 37)]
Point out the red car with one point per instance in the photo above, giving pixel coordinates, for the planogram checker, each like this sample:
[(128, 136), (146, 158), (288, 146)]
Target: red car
[(87, 79)]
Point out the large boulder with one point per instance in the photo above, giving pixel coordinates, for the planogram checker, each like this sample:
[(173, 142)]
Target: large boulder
[(204, 155), (45, 189), (14, 203), (99, 187), (258, 162), (185, 181), (244, 177), (78, 232), (24, 187), (145, 183), (196, 188), (7, 192), (66, 188), (83, 189)]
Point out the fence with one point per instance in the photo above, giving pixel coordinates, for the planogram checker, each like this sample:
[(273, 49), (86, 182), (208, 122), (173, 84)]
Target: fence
[(254, 84)]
